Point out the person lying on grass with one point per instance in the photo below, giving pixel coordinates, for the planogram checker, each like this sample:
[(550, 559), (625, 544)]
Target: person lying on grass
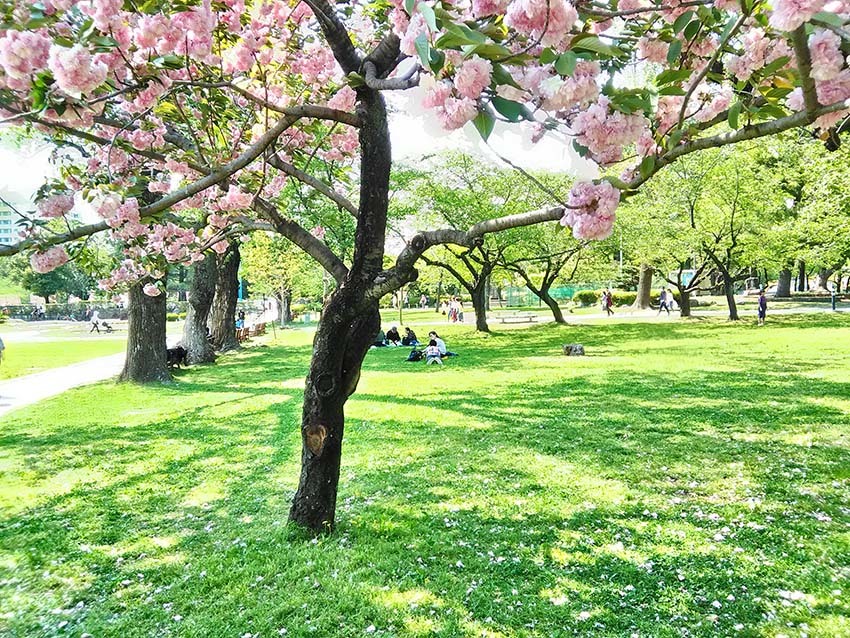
[(432, 353)]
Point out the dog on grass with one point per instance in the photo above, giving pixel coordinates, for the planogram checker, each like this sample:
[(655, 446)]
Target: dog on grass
[(176, 356)]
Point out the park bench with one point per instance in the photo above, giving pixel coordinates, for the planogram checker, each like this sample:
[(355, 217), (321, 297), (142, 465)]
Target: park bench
[(519, 317), (242, 334), (258, 329)]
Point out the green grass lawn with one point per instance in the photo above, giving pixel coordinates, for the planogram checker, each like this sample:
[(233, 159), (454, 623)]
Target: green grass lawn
[(683, 479), (23, 358)]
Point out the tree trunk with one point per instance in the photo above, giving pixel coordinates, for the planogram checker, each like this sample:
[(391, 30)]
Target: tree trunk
[(201, 296), (553, 305), (145, 362), (223, 317), (285, 300), (644, 287), (684, 302), (822, 278), (729, 291), (783, 286), (479, 295), (487, 293), (801, 276)]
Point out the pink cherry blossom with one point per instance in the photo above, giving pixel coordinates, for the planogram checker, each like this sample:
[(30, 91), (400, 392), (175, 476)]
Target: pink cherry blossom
[(344, 99), (151, 290), (235, 199), (50, 259), (56, 205), (416, 27), (22, 53), (579, 89), (631, 5), (473, 77), (605, 133), (758, 51), (825, 48), (456, 112), (591, 210), (437, 95), (318, 232), (484, 8), (548, 20), (75, 70), (653, 50), (789, 14)]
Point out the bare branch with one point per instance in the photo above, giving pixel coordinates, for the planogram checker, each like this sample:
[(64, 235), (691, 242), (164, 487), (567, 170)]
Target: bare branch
[(75, 233), (312, 182), (407, 81)]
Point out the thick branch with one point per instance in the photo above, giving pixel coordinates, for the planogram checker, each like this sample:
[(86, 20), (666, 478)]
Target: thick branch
[(312, 182), (75, 233), (407, 81), (804, 66), (299, 236)]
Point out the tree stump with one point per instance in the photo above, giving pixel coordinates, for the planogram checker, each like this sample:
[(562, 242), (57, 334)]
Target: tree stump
[(573, 349)]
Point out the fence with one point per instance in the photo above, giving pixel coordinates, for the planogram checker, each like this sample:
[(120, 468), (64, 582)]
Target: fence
[(515, 296)]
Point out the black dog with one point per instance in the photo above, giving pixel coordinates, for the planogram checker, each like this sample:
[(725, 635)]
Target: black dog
[(176, 356)]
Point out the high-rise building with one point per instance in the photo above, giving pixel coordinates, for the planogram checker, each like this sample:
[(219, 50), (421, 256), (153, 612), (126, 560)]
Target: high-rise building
[(8, 223)]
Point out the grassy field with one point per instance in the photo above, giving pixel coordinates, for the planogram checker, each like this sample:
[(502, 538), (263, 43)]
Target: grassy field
[(30, 357), (683, 479)]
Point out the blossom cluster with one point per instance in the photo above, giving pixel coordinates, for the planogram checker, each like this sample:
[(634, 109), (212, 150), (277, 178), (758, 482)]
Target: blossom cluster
[(605, 132), (56, 205), (591, 210), (49, 259)]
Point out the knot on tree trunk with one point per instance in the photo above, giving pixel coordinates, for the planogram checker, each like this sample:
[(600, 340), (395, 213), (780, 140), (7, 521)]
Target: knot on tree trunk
[(325, 385), (314, 436)]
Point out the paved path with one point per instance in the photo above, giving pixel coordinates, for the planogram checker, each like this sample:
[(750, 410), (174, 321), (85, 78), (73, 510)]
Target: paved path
[(22, 391)]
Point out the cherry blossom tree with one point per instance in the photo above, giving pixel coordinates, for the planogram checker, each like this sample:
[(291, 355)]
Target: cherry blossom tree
[(191, 117)]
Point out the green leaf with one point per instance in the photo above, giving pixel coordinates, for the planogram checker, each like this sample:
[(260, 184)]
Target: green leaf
[(566, 63), (829, 18), (484, 122), (771, 111), (430, 19), (580, 149), (489, 51), (547, 56), (170, 61), (673, 89), (501, 76), (646, 166), (592, 43), (464, 33), (510, 109), (682, 20), (692, 29), (734, 113), (674, 51), (409, 5), (774, 66), (437, 60), (672, 75), (423, 48)]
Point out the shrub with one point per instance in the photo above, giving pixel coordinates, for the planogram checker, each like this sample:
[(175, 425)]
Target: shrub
[(175, 316), (624, 298), (586, 297)]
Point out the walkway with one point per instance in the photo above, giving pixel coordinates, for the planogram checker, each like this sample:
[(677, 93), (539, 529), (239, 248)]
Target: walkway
[(22, 391)]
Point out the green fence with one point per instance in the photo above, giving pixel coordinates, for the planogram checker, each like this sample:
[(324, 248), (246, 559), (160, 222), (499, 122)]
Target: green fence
[(515, 296)]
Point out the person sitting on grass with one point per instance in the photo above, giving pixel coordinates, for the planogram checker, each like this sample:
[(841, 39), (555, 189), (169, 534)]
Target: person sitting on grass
[(393, 337), (409, 338), (441, 345), (380, 340), (432, 353)]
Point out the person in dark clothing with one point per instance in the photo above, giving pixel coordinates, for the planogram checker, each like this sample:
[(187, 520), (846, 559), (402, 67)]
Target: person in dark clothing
[(393, 337), (762, 312), (409, 338)]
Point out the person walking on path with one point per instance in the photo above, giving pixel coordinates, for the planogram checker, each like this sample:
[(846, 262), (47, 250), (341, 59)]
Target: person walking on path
[(762, 311), (95, 322), (662, 302), (607, 302)]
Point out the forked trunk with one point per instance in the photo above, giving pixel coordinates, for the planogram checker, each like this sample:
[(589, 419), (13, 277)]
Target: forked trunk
[(479, 304), (783, 285), (644, 288), (822, 278), (145, 362), (223, 318), (201, 296)]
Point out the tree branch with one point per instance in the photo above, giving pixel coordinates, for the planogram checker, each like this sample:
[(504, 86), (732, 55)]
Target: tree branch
[(7, 250), (309, 180), (337, 36), (804, 66)]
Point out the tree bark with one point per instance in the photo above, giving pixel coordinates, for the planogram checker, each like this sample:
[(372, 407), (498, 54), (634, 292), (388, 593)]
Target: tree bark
[(783, 285), (644, 287), (223, 317), (684, 302), (729, 291), (145, 362), (801, 276), (543, 293), (201, 296), (479, 304), (822, 278), (285, 301)]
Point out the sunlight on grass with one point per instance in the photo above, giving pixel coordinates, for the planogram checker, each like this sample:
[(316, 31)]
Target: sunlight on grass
[(685, 478)]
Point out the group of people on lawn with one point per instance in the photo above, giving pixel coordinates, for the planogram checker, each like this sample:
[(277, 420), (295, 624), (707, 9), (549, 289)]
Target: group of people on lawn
[(435, 351)]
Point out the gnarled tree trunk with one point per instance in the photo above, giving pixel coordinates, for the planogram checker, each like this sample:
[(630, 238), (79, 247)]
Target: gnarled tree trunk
[(223, 317), (822, 278), (684, 302), (644, 287), (285, 301), (145, 362), (201, 295)]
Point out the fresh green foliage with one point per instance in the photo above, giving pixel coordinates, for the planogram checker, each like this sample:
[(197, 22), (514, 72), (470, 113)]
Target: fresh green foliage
[(682, 476)]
